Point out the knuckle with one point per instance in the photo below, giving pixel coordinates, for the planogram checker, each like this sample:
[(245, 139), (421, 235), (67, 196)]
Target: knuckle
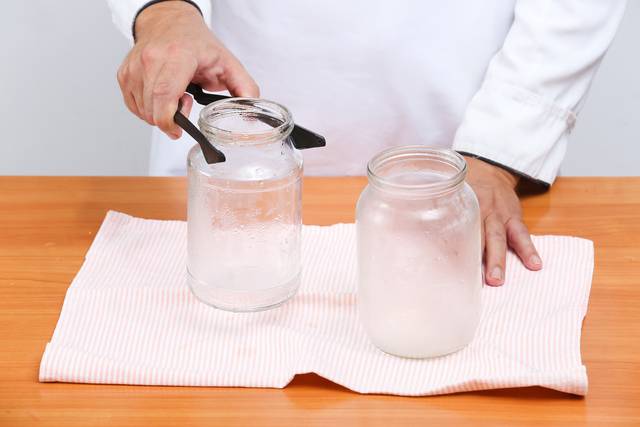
[(527, 246), (149, 55), (131, 107), (121, 76), (162, 120), (147, 113), (214, 56), (164, 123), (496, 234), (138, 115), (130, 102), (495, 217), (174, 49), (520, 238), (517, 230), (516, 224), (148, 117), (161, 89)]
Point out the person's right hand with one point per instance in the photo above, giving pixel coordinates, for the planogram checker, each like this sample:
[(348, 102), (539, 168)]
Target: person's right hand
[(173, 48)]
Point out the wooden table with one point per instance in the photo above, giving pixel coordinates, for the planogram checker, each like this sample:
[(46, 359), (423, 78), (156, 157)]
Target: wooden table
[(47, 224)]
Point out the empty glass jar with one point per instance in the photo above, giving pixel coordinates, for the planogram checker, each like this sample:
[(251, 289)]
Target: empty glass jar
[(419, 253), (244, 215)]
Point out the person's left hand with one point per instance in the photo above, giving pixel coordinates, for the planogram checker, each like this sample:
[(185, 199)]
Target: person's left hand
[(501, 218)]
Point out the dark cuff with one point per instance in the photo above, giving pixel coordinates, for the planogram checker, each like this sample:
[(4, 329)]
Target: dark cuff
[(539, 183), (151, 3)]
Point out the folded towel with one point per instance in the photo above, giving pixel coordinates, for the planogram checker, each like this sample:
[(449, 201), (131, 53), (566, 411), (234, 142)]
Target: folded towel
[(129, 318)]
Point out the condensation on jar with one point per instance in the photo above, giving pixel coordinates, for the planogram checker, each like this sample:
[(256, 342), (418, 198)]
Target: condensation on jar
[(419, 253), (244, 215)]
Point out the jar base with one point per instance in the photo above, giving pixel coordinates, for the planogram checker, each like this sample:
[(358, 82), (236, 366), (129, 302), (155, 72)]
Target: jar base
[(239, 301), (425, 356)]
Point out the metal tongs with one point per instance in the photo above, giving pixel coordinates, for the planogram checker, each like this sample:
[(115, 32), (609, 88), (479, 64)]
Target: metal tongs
[(302, 138)]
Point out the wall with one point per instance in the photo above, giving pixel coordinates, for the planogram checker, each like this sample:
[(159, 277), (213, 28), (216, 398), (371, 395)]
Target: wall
[(62, 109), (62, 113), (606, 139)]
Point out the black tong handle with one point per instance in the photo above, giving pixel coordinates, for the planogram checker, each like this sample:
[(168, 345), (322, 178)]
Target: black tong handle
[(211, 153), (202, 97), (302, 138)]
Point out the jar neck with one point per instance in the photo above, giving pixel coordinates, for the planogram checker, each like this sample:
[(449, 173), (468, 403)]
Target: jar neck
[(245, 121), (417, 171)]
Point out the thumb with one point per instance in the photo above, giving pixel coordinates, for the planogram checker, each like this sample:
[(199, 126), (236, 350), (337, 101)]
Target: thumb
[(187, 104)]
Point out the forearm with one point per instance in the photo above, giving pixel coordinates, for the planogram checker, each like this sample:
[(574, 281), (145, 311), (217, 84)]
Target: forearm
[(535, 85), (162, 15), (123, 12)]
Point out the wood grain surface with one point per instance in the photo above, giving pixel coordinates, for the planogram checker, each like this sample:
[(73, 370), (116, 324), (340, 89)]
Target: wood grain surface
[(48, 223)]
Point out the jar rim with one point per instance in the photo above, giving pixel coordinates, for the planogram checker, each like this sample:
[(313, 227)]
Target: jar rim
[(264, 110), (445, 156)]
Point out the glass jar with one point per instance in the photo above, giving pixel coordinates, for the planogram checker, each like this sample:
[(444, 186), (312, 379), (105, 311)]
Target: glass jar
[(244, 215), (419, 253)]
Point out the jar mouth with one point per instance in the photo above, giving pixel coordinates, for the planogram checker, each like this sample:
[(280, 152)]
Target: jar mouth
[(417, 169), (245, 121)]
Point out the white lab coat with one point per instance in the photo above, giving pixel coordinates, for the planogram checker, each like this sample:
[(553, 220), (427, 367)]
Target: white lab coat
[(502, 79)]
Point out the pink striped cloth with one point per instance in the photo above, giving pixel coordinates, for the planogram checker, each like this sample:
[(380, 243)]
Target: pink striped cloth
[(129, 318)]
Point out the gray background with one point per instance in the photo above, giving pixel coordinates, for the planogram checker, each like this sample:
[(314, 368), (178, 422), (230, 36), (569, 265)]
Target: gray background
[(62, 113)]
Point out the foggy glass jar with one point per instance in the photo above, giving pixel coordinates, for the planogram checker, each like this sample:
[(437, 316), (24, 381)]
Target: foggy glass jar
[(244, 215), (419, 253)]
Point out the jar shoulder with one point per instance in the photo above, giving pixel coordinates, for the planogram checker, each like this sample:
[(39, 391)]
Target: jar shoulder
[(249, 163), (375, 205)]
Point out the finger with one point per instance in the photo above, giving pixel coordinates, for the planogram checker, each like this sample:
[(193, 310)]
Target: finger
[(483, 235), (208, 77), (519, 240), (137, 100), (187, 104), (134, 86), (123, 81), (169, 87), (131, 104), (147, 88), (152, 62), (147, 100), (496, 250), (238, 81)]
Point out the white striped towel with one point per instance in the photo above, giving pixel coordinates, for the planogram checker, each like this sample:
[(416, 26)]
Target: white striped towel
[(129, 318)]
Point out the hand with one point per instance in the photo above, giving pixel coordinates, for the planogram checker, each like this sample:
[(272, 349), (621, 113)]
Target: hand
[(501, 218), (174, 47)]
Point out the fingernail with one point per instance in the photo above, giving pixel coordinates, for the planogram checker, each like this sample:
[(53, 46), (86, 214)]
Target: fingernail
[(535, 260), (496, 273)]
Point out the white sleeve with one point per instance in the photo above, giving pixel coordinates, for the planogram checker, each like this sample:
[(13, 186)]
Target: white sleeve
[(124, 11), (535, 85)]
